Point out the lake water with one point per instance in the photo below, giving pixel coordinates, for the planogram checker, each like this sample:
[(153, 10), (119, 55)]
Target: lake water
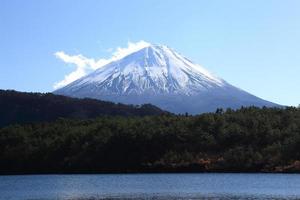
[(151, 186)]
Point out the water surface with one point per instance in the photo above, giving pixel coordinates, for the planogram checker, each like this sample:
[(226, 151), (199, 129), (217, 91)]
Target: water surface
[(151, 186)]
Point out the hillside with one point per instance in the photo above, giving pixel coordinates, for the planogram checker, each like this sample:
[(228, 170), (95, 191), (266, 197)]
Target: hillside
[(22, 107)]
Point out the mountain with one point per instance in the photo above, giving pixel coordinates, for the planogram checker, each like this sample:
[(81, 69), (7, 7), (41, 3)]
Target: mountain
[(159, 75), (22, 107)]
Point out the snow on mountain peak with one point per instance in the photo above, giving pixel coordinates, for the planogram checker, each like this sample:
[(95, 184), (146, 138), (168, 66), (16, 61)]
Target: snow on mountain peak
[(152, 69)]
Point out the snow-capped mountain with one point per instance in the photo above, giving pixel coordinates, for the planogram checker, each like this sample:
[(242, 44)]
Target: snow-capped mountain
[(158, 75)]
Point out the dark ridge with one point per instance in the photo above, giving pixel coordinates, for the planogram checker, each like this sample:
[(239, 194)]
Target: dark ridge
[(23, 107)]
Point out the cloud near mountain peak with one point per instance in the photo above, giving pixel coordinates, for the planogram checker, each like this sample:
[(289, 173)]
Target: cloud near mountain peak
[(83, 65)]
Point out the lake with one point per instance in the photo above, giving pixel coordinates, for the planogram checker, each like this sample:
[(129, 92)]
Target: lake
[(208, 186)]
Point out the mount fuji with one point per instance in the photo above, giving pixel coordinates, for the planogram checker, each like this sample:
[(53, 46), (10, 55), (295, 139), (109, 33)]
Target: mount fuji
[(159, 75)]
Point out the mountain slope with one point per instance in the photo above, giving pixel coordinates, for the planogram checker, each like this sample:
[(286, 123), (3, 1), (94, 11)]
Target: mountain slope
[(22, 107), (158, 75)]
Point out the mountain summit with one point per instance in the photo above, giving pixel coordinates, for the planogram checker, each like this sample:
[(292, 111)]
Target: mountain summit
[(159, 75)]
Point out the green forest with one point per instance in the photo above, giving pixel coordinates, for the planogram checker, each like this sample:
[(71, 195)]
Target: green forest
[(246, 140)]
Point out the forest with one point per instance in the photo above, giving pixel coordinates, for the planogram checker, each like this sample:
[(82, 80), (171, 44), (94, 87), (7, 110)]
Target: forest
[(249, 139)]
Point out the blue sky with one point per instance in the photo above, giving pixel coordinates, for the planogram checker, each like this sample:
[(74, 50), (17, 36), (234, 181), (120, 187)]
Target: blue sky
[(253, 44)]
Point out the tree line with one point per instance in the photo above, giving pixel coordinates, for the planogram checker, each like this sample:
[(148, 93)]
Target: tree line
[(245, 140)]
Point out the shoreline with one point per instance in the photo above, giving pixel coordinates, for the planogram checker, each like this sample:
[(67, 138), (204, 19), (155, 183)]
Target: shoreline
[(146, 172)]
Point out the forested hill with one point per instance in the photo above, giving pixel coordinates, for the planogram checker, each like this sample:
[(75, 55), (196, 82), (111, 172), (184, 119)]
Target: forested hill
[(22, 107), (246, 140)]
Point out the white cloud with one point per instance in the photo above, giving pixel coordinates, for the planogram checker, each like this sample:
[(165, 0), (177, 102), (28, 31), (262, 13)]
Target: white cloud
[(84, 64)]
